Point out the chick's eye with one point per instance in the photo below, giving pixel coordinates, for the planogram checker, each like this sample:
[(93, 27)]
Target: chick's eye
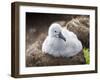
[(55, 31)]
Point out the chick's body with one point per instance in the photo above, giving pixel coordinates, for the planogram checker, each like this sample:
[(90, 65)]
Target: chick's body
[(61, 42)]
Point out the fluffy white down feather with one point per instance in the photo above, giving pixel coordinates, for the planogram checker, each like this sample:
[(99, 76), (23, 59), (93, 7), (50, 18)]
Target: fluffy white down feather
[(56, 46)]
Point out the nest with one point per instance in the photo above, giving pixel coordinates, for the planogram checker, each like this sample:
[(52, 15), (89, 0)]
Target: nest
[(35, 57)]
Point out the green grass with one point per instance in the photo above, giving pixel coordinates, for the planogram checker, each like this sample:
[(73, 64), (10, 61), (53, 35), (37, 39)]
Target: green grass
[(86, 55)]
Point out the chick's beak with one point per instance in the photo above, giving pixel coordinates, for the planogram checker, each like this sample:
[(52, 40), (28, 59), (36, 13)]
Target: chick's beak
[(61, 36)]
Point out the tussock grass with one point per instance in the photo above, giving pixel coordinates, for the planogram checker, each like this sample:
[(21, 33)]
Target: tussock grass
[(87, 55)]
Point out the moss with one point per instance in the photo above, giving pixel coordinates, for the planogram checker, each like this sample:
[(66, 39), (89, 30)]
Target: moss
[(87, 55)]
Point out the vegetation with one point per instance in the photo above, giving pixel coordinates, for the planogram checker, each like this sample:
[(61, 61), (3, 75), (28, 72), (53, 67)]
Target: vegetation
[(87, 55)]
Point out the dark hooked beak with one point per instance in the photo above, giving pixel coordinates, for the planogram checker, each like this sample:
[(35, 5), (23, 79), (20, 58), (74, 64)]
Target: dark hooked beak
[(61, 36)]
